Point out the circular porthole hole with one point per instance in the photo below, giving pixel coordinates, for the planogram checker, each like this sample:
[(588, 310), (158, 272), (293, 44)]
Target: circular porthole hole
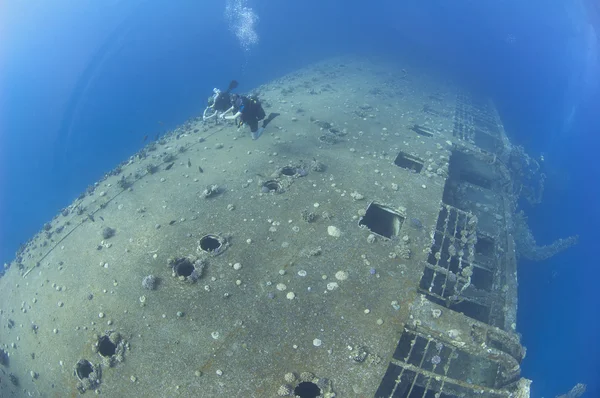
[(307, 389), (83, 369), (288, 171), (106, 347), (271, 186), (210, 244), (328, 139), (183, 267)]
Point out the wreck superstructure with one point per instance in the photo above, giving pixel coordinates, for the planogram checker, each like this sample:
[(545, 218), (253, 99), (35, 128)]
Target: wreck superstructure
[(363, 247), (470, 275)]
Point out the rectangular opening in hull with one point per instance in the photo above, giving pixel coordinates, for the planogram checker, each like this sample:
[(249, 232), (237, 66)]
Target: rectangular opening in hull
[(482, 279), (403, 347), (417, 352), (486, 142), (473, 310), (467, 168), (404, 386), (485, 246), (408, 162), (382, 220), (422, 130), (388, 383), (475, 179)]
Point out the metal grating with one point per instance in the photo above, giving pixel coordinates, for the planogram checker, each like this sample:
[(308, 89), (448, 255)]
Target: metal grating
[(451, 276), (423, 366), (476, 123), (452, 252), (462, 272)]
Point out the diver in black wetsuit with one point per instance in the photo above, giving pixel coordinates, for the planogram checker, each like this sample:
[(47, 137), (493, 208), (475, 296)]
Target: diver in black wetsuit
[(219, 102), (249, 111)]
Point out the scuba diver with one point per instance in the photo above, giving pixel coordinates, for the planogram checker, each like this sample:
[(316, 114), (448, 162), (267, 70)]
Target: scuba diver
[(219, 102), (249, 111)]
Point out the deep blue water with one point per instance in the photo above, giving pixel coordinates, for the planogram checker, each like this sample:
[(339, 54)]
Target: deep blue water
[(82, 82)]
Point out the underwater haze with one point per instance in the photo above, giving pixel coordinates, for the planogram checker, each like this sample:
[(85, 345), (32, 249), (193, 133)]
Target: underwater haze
[(86, 84)]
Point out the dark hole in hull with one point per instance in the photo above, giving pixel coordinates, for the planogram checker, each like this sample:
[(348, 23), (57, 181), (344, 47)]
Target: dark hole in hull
[(288, 171), (421, 131), (83, 369), (271, 186), (183, 267), (484, 246), (382, 221), (210, 243), (307, 389), (408, 162), (106, 348)]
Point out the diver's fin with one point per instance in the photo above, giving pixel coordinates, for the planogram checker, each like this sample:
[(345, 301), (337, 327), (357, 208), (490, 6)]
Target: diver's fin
[(233, 84), (256, 134), (272, 116)]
